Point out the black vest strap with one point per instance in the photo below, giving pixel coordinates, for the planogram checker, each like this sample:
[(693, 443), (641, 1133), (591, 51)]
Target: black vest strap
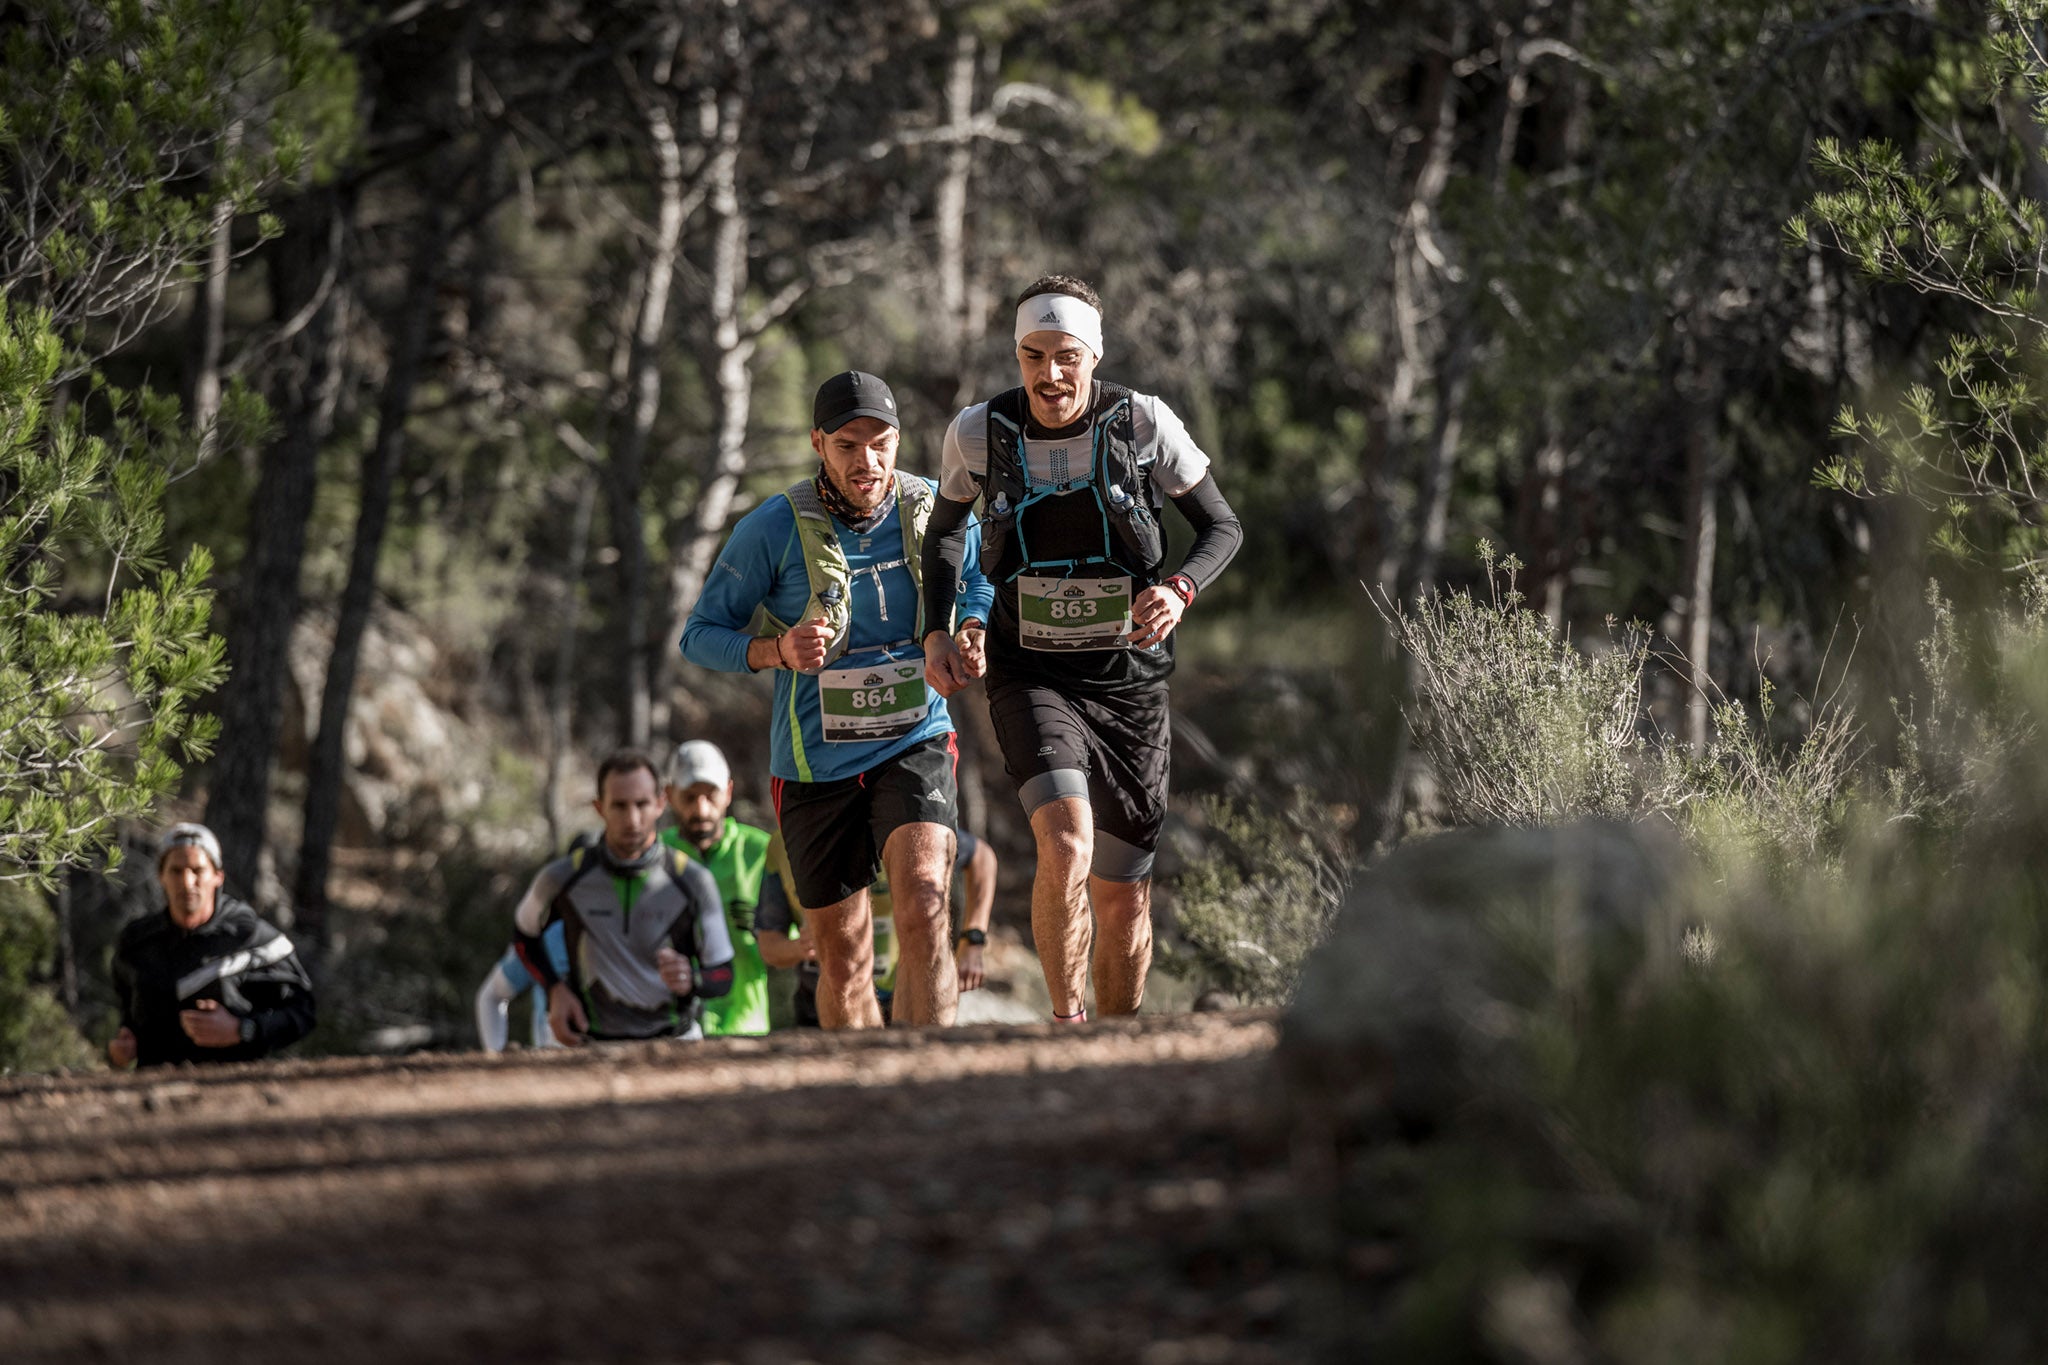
[(1005, 483)]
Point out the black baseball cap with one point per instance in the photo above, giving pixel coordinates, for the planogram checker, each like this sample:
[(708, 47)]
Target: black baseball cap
[(853, 394)]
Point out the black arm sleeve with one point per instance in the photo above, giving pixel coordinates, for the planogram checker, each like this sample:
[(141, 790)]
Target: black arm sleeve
[(772, 914), (280, 1002), (703, 934), (533, 952), (287, 1020), (1218, 533), (945, 547), (124, 985), (710, 983)]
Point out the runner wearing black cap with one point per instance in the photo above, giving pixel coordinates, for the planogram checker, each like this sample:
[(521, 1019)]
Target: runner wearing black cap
[(862, 754), (1072, 474)]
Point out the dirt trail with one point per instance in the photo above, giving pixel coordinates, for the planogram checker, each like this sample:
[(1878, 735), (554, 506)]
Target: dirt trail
[(985, 1194)]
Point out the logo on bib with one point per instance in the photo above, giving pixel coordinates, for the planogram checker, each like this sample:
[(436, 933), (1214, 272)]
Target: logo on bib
[(873, 680), (1076, 591)]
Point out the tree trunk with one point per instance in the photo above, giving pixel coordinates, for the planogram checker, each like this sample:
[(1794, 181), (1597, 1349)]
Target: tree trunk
[(67, 947), (1702, 489), (1540, 523), (326, 764), (570, 619), (954, 379), (1439, 467), (627, 472), (306, 274), (695, 545), (1415, 297), (949, 208), (209, 319)]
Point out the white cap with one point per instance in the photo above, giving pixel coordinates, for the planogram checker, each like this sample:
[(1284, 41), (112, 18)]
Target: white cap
[(196, 836), (698, 760)]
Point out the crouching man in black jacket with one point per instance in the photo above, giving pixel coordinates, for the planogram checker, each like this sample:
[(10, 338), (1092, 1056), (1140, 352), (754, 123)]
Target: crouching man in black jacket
[(206, 980)]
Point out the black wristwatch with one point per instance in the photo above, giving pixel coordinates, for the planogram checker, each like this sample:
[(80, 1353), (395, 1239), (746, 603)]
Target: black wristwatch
[(973, 938)]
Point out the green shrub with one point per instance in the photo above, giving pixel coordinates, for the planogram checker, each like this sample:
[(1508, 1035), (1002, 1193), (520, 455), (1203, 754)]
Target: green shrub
[(1260, 899), (1953, 736), (1751, 801), (35, 1032), (1822, 1140), (1519, 727)]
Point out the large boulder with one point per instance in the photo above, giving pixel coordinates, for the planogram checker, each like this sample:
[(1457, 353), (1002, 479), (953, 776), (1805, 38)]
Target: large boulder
[(1412, 1008)]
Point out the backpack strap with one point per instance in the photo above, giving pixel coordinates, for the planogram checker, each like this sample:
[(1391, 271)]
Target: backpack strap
[(678, 859), (1004, 474), (830, 577), (825, 569), (581, 861), (582, 858), (1124, 489), (1116, 441), (914, 510)]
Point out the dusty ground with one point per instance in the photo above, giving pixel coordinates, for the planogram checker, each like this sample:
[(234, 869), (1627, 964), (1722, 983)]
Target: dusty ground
[(1000, 1193)]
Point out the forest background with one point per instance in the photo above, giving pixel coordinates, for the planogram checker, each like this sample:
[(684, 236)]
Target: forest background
[(380, 380)]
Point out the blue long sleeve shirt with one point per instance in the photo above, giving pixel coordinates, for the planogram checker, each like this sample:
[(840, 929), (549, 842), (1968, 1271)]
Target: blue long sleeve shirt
[(762, 565)]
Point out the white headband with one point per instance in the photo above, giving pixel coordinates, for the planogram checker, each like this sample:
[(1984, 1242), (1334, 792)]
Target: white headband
[(1061, 313)]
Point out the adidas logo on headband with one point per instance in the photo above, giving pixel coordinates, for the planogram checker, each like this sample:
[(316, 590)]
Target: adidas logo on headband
[(1076, 317)]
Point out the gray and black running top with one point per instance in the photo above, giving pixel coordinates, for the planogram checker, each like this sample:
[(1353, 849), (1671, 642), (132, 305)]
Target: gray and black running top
[(237, 959), (616, 917)]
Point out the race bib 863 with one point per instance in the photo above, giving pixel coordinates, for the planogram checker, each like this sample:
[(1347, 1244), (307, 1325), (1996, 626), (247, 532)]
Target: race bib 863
[(1074, 613)]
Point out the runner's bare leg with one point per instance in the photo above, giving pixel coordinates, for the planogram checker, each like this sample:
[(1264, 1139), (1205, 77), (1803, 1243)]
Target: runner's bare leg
[(920, 862), (1123, 943), (845, 935), (1060, 925)]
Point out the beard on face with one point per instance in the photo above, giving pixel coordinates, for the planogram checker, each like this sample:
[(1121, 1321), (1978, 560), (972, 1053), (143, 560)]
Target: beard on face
[(700, 832), (865, 501)]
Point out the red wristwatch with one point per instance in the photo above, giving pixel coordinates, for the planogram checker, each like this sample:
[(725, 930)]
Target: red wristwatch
[(1184, 586)]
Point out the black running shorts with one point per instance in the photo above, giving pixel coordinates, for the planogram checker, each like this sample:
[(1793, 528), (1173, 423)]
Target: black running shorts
[(835, 831), (1111, 748)]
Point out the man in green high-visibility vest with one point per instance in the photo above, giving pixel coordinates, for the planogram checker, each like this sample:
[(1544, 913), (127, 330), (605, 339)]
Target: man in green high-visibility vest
[(699, 794)]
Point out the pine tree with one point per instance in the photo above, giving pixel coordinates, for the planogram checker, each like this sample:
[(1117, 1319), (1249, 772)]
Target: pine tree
[(128, 134), (1963, 226)]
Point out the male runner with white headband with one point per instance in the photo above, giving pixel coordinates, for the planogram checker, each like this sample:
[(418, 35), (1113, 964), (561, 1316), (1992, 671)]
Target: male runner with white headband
[(1072, 474)]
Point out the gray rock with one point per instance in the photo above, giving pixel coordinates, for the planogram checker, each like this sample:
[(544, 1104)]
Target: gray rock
[(1414, 1005)]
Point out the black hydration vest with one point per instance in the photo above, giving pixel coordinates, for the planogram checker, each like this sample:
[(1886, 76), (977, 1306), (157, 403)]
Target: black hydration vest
[(1105, 520)]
